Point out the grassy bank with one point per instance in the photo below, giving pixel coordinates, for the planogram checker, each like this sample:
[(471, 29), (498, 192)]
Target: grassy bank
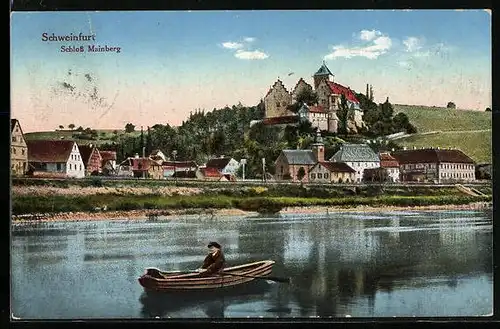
[(28, 204)]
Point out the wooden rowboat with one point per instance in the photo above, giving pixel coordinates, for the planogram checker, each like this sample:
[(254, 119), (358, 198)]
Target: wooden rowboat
[(156, 280)]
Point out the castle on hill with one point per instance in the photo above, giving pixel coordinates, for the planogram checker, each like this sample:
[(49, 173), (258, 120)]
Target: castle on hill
[(322, 115)]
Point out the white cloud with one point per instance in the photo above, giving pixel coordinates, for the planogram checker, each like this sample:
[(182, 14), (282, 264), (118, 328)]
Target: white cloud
[(232, 45), (369, 35), (379, 45), (249, 39), (246, 54), (413, 43)]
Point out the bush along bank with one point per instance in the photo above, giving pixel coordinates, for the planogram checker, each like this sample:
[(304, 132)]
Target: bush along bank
[(27, 204)]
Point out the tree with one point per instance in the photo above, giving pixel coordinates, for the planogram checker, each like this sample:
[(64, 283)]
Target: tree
[(488, 109), (386, 110), (129, 128), (301, 173), (307, 96), (451, 105), (71, 126), (79, 129), (61, 127), (342, 114)]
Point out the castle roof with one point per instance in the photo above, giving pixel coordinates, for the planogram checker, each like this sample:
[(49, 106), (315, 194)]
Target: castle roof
[(338, 89), (323, 70)]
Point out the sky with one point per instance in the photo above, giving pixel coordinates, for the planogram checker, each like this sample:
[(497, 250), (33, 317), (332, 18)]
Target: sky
[(173, 62)]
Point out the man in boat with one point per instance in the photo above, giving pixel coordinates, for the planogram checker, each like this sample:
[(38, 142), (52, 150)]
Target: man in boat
[(214, 261)]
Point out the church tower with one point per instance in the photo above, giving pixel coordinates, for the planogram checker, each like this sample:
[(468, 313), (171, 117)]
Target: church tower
[(318, 148), (322, 74)]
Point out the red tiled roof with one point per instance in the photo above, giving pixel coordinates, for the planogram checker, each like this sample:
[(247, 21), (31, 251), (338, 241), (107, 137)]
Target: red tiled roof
[(211, 172), (49, 151), (431, 156), (336, 166), (108, 155), (281, 120), (218, 163), (317, 109), (179, 164), (388, 161), (139, 163), (338, 89)]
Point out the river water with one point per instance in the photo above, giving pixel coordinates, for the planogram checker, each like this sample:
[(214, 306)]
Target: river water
[(357, 264)]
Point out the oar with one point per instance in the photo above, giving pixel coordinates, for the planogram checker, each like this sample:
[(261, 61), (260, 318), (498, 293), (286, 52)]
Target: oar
[(270, 278)]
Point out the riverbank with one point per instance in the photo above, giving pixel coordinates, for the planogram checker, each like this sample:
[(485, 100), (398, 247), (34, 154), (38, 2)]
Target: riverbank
[(220, 213)]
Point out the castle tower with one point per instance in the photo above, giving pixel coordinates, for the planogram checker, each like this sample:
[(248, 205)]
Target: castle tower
[(318, 148), (322, 74)]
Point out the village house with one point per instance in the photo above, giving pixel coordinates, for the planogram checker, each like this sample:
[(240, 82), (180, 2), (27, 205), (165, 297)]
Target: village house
[(391, 165), (357, 156), (18, 149), (225, 165), (213, 174), (171, 167), (322, 115), (435, 165), (55, 158), (108, 164), (295, 165), (331, 172), (91, 158), (140, 167)]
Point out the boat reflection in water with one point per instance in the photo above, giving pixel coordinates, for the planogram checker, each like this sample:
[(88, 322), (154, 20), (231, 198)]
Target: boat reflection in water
[(211, 303)]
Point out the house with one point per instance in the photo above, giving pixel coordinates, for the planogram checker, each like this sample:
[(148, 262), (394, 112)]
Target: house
[(60, 158), (18, 149), (296, 164), (91, 158), (391, 165), (158, 156), (435, 165), (357, 156), (331, 172), (225, 165), (169, 167), (140, 167), (213, 174), (108, 164)]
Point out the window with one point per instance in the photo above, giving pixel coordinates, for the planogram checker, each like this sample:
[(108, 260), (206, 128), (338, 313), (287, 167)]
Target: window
[(326, 175), (70, 166), (58, 166), (320, 175), (281, 169), (80, 167), (14, 139), (22, 151), (313, 176)]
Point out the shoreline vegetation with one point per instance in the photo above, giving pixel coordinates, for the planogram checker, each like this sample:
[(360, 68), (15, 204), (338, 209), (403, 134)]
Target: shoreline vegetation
[(113, 201)]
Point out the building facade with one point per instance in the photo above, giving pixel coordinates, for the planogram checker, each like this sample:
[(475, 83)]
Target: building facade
[(59, 157), (357, 156), (18, 149), (332, 172), (91, 158), (435, 165), (391, 165)]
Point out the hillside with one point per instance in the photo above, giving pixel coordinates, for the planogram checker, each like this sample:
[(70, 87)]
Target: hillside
[(104, 136), (469, 131), (427, 118)]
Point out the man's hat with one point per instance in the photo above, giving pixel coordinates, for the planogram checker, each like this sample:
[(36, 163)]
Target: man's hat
[(214, 244)]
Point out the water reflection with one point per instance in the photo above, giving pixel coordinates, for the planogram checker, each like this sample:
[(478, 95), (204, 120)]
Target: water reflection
[(361, 264)]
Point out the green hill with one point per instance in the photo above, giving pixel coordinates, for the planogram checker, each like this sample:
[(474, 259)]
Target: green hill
[(469, 131), (103, 136)]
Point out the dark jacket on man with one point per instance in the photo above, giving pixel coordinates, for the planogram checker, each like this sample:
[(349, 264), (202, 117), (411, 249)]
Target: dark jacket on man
[(213, 263)]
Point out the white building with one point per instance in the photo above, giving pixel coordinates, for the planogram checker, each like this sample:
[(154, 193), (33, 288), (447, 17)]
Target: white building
[(357, 156), (55, 158), (225, 165), (391, 165)]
